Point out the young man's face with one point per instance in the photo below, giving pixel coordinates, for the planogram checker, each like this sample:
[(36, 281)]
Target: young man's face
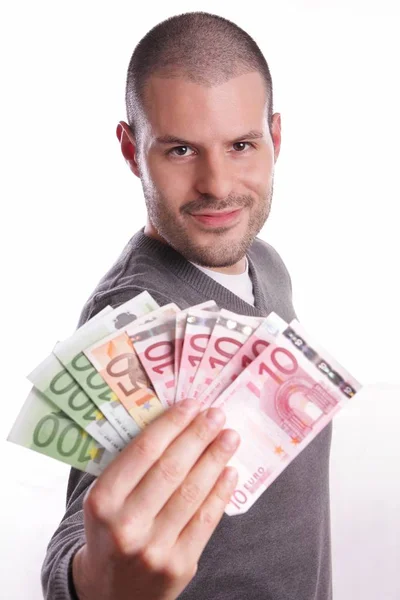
[(209, 193)]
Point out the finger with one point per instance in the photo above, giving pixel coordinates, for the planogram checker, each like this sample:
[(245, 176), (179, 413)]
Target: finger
[(167, 474), (133, 462), (200, 528), (188, 498)]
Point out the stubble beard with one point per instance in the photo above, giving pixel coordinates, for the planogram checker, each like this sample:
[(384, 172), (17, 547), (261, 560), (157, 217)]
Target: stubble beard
[(219, 253)]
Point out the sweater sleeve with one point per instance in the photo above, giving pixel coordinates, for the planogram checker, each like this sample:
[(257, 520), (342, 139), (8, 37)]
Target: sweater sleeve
[(56, 573)]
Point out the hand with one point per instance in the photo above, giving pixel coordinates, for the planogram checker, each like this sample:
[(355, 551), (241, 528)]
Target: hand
[(151, 512)]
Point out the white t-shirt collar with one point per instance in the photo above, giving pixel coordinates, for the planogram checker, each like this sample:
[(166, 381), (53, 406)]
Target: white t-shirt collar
[(240, 285)]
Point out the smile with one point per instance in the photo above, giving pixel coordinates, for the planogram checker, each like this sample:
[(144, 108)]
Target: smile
[(216, 219)]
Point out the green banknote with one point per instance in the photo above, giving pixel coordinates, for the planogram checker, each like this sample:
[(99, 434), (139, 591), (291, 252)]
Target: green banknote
[(54, 381), (43, 427), (70, 353)]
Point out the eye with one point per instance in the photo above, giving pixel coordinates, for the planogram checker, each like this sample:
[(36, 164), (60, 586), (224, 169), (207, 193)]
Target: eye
[(248, 143), (173, 151)]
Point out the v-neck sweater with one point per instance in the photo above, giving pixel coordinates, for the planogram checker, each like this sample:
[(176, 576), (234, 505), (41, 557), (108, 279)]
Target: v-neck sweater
[(281, 548)]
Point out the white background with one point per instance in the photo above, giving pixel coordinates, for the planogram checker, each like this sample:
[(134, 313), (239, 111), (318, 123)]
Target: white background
[(69, 204)]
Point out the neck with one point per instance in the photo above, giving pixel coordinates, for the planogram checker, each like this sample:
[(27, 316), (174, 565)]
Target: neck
[(235, 269)]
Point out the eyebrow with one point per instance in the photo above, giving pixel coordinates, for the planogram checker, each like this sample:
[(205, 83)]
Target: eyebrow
[(171, 139)]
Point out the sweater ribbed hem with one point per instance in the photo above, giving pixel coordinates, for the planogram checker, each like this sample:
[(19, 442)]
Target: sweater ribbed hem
[(63, 587)]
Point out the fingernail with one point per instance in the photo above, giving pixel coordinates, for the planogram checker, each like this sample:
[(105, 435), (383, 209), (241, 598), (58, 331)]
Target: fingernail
[(189, 405), (230, 474), (216, 415), (230, 439)]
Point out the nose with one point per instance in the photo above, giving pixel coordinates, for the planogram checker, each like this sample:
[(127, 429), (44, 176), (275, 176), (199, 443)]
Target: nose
[(215, 176)]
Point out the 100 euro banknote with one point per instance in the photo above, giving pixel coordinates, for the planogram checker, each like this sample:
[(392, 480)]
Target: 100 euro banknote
[(58, 385), (42, 427)]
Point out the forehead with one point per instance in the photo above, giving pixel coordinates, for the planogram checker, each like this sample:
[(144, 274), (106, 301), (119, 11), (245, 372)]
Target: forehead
[(182, 107)]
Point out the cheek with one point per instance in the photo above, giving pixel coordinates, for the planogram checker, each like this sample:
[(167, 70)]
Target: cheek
[(156, 172), (257, 176), (168, 180), (176, 189)]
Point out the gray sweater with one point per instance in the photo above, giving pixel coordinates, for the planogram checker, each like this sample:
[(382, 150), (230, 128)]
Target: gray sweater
[(281, 548)]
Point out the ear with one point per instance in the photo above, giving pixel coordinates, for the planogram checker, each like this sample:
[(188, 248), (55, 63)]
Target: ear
[(128, 146), (276, 134)]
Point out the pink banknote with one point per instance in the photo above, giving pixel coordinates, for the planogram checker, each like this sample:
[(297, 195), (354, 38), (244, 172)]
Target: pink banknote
[(180, 326), (199, 325), (155, 346), (256, 343), (278, 404), (228, 336)]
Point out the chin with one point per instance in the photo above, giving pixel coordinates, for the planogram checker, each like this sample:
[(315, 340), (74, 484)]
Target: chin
[(214, 257)]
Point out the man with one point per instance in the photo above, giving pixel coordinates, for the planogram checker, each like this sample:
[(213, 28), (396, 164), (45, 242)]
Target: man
[(204, 141)]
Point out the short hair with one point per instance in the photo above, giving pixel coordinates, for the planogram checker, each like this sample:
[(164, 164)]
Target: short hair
[(204, 48)]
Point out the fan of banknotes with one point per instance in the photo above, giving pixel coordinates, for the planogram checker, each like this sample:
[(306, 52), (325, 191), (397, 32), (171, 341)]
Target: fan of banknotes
[(100, 387)]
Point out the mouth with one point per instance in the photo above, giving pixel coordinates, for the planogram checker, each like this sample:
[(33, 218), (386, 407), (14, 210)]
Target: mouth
[(217, 218)]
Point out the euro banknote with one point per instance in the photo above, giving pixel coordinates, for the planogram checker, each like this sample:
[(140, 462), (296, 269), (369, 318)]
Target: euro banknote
[(267, 331), (119, 365), (123, 368), (278, 404), (180, 326), (154, 345), (116, 360), (42, 427), (57, 384), (227, 337), (199, 325), (70, 352)]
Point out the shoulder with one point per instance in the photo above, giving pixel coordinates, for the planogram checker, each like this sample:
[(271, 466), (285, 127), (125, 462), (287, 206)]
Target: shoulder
[(265, 256), (115, 297), (262, 248), (132, 273)]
